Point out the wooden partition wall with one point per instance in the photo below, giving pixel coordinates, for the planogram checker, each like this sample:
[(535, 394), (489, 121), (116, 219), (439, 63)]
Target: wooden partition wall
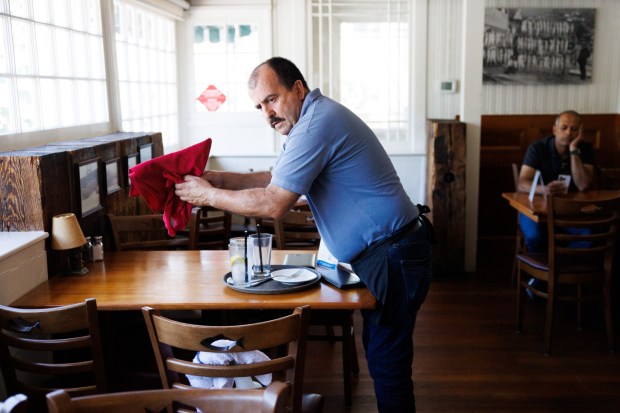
[(504, 140), (40, 182), (446, 194)]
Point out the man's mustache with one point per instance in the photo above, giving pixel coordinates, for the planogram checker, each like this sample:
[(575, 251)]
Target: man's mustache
[(273, 120)]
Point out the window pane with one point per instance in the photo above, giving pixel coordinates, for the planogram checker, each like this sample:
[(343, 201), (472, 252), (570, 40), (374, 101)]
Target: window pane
[(4, 54), (63, 52), (61, 11), (27, 93), (49, 103), (41, 10), (7, 110), (22, 46), (100, 101), (19, 8), (95, 59), (77, 15), (80, 55), (67, 102), (45, 58), (84, 98)]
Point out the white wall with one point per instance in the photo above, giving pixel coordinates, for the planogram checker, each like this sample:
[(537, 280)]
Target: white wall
[(445, 30)]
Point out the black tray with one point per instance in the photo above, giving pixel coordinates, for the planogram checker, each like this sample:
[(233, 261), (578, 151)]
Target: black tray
[(273, 286)]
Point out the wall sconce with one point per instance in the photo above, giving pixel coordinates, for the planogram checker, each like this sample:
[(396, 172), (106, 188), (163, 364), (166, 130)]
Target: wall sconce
[(68, 238)]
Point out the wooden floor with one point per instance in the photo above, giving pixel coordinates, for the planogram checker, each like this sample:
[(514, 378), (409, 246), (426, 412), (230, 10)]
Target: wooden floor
[(468, 357)]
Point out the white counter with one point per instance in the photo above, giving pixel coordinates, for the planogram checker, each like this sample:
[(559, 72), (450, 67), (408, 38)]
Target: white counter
[(23, 263)]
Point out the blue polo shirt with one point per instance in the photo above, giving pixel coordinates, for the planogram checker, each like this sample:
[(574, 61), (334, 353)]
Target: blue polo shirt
[(335, 159)]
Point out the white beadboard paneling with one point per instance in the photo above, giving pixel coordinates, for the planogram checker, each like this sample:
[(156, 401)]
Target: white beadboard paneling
[(444, 56), (600, 96)]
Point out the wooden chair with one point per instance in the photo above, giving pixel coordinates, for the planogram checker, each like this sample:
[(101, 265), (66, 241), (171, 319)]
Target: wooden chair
[(176, 343), (297, 230), (143, 232), (46, 349), (519, 237), (15, 404), (273, 400), (583, 262), (209, 228)]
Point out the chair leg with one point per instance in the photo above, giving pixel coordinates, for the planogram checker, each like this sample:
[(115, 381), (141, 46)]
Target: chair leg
[(609, 325), (549, 316), (520, 291), (347, 348)]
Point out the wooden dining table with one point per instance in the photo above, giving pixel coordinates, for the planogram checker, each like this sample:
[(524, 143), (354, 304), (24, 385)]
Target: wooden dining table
[(180, 280), (536, 209)]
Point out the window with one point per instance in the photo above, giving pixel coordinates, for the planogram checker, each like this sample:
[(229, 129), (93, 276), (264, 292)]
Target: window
[(360, 57), (224, 56), (224, 44), (146, 60), (51, 57)]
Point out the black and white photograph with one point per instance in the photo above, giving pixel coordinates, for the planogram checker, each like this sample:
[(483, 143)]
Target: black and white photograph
[(130, 161), (90, 199), (112, 168), (146, 152), (538, 46)]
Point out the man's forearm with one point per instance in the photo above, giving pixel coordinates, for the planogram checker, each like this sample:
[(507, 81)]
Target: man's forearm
[(581, 175)]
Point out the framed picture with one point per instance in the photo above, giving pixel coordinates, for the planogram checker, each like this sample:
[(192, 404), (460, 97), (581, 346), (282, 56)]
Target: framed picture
[(112, 168), (525, 46), (146, 152), (131, 160), (90, 197)]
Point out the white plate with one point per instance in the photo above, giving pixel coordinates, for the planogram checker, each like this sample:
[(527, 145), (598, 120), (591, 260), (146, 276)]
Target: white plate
[(285, 275)]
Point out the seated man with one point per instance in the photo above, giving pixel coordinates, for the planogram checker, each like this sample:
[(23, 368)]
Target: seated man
[(563, 153)]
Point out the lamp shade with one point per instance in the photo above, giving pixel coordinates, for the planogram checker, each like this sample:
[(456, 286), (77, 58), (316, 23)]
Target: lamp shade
[(66, 232)]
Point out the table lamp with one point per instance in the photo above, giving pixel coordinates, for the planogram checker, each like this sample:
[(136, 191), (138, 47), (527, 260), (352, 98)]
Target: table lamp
[(68, 238)]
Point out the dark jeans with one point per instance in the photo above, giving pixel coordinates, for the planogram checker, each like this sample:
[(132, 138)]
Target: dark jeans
[(388, 330), (535, 235)]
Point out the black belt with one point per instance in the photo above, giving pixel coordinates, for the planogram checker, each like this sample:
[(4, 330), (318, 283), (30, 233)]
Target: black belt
[(412, 226)]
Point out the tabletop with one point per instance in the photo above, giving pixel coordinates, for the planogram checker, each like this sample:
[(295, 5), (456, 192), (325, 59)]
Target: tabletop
[(537, 208), (179, 280)]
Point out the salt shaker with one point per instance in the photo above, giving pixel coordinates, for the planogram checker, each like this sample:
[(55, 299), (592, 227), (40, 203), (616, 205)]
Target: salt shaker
[(87, 250), (98, 248)]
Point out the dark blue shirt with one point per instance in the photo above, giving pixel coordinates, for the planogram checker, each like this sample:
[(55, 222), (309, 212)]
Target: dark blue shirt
[(543, 155)]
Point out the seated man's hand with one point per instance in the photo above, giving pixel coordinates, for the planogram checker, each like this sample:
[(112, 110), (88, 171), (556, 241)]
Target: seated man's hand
[(556, 187)]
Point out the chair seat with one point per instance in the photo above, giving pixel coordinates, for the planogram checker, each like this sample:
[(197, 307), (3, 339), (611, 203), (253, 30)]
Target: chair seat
[(573, 265)]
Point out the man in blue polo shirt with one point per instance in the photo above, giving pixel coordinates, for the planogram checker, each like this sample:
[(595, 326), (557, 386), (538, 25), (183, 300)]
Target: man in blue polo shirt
[(361, 210), (563, 154)]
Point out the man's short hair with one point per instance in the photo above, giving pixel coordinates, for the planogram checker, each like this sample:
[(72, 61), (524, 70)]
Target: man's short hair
[(286, 71)]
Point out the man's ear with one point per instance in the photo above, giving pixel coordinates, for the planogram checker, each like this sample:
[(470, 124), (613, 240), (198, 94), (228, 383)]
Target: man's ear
[(299, 89)]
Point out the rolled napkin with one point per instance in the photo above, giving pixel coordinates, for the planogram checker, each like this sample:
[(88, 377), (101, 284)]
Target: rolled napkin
[(225, 359), (154, 180)]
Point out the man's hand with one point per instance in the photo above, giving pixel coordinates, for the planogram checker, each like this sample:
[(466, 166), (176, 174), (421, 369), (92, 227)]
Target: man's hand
[(555, 187), (574, 145), (195, 190)]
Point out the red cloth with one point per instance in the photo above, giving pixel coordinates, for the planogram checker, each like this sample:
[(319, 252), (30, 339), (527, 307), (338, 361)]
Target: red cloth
[(154, 180)]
